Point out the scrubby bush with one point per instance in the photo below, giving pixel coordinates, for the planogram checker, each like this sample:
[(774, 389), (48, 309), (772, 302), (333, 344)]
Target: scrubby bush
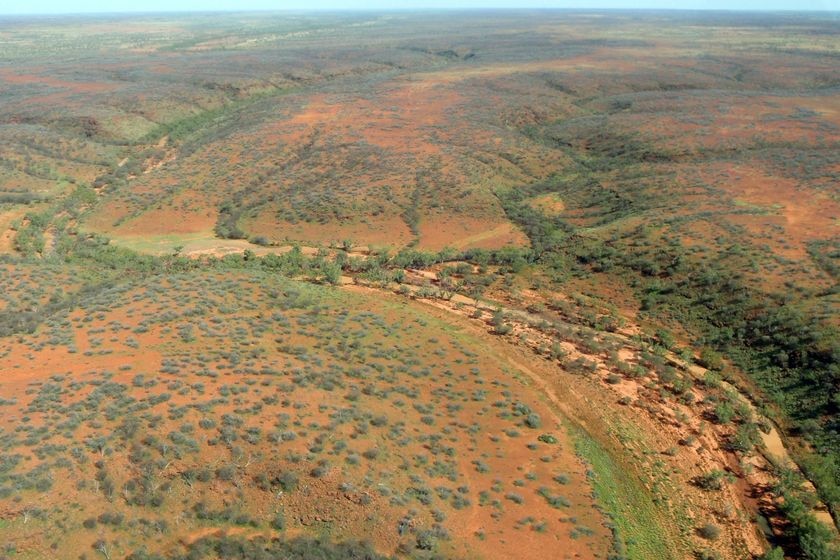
[(709, 531), (713, 480)]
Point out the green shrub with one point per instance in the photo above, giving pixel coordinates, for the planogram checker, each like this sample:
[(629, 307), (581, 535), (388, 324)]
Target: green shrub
[(713, 480), (278, 522), (709, 531)]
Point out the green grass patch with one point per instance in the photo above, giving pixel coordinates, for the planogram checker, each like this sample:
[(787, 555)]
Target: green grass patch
[(637, 531)]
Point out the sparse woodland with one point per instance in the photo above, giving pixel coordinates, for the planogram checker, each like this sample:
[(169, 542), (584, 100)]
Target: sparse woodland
[(476, 285)]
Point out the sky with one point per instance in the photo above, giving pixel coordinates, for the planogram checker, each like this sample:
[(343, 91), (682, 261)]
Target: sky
[(111, 6)]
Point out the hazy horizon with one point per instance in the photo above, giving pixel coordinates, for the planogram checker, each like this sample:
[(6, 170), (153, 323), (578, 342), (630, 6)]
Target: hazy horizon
[(57, 7)]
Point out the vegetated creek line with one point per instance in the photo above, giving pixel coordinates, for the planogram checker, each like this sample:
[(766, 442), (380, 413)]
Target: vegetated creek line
[(773, 447)]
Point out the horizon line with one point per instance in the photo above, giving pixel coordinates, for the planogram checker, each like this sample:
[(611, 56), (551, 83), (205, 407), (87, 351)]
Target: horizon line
[(424, 9)]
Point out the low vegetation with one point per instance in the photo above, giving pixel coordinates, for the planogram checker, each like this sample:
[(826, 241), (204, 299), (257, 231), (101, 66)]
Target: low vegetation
[(468, 285)]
